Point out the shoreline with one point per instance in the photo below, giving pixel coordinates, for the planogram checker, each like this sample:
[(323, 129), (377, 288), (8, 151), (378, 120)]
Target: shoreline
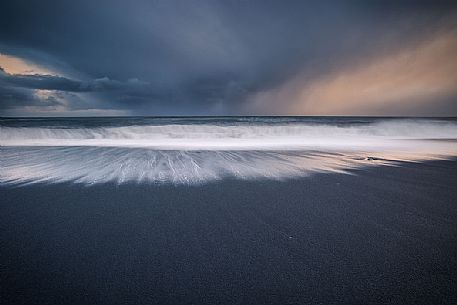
[(382, 234)]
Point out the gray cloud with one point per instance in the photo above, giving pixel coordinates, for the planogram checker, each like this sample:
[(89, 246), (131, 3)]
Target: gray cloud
[(54, 82), (200, 57)]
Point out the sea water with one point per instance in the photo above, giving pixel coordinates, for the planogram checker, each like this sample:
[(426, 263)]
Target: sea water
[(201, 149)]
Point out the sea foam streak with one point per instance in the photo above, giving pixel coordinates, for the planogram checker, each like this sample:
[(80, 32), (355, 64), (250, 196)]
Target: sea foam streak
[(250, 137), (201, 151)]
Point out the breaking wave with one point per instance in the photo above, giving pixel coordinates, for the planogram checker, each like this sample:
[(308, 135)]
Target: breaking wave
[(216, 137), (197, 153)]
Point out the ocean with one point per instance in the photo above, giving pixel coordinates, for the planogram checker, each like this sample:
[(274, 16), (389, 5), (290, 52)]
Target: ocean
[(193, 150)]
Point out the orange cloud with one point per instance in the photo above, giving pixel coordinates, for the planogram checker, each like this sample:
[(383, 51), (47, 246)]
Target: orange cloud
[(408, 79), (16, 65)]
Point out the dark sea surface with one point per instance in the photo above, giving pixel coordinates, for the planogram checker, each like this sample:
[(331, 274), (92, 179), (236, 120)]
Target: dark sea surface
[(91, 122)]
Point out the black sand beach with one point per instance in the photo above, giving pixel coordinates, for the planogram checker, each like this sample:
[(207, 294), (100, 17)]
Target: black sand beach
[(384, 235)]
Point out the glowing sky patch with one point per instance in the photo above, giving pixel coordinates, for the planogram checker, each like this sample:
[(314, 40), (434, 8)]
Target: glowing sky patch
[(15, 65), (382, 85)]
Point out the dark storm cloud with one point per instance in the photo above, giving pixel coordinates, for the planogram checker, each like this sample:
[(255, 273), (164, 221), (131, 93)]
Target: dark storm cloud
[(47, 91), (200, 57), (44, 82), (59, 83)]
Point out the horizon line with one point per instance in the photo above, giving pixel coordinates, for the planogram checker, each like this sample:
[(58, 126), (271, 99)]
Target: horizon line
[(228, 116)]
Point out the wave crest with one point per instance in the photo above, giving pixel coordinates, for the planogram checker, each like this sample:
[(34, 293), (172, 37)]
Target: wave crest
[(234, 137), (196, 153)]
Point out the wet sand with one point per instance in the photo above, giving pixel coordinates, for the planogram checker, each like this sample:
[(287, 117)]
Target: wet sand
[(385, 235)]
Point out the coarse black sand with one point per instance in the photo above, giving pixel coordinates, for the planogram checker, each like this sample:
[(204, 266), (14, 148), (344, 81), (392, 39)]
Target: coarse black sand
[(383, 235)]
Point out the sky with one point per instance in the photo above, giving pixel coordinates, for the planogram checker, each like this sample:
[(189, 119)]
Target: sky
[(231, 57)]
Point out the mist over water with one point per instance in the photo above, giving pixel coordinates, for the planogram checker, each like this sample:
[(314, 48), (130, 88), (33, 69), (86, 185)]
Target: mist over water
[(198, 150)]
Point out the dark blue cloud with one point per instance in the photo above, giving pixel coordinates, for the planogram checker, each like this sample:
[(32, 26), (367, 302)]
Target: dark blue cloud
[(191, 57)]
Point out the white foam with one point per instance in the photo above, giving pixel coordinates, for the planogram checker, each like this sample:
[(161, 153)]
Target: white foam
[(201, 153), (241, 137)]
